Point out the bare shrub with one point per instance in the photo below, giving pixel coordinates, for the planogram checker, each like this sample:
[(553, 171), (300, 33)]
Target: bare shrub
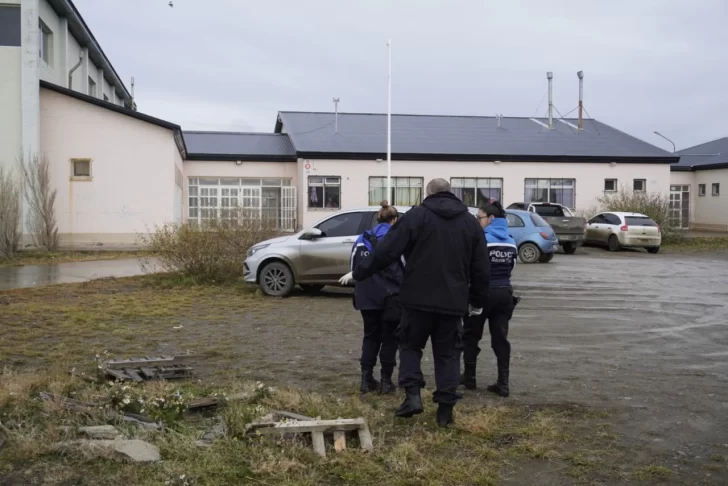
[(9, 214), (653, 204), (211, 252), (41, 199)]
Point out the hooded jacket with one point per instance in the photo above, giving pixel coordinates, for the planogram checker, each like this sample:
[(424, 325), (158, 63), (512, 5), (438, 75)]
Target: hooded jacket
[(370, 294), (445, 254), (502, 252)]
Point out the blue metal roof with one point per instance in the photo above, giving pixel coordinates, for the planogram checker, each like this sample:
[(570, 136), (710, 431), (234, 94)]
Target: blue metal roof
[(362, 135)]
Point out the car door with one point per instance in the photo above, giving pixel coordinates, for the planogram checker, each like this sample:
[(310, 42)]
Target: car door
[(612, 226), (516, 227), (593, 227), (326, 258)]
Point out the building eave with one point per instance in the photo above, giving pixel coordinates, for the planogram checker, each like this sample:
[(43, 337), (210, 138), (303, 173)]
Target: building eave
[(485, 157), (241, 157)]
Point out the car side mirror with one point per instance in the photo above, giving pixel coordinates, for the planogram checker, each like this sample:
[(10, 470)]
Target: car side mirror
[(312, 234)]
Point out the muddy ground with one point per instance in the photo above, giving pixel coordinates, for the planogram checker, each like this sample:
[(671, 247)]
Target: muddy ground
[(643, 337)]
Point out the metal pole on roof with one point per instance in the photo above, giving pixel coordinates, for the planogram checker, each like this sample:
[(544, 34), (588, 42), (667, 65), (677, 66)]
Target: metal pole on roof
[(673, 143), (389, 123)]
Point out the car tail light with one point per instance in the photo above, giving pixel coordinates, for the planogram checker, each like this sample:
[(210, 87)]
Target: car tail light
[(545, 235), (624, 228)]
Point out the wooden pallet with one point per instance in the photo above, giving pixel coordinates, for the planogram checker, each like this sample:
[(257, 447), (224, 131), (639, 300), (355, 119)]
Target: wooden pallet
[(149, 368), (317, 428)]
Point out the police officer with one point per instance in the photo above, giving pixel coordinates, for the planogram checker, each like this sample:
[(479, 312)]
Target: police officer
[(446, 272), (377, 298), (502, 253)]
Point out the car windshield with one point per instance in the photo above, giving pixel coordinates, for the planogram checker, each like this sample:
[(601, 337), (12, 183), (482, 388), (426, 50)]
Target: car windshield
[(548, 210), (538, 220), (639, 221)]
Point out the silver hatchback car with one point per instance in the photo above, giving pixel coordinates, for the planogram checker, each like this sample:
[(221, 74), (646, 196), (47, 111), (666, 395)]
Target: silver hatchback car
[(312, 258)]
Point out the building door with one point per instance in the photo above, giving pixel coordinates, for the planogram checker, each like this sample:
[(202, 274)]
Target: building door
[(288, 208), (680, 206)]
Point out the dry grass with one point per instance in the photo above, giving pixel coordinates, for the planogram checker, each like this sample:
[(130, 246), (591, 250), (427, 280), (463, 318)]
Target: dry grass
[(47, 331), (37, 257)]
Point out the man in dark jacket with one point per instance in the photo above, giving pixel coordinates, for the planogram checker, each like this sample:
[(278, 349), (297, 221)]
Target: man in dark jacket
[(446, 273)]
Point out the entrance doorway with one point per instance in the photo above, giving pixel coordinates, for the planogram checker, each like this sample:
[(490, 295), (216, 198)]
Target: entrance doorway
[(680, 206)]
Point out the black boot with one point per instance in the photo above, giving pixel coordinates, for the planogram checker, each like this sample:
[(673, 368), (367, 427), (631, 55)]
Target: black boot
[(368, 383), (386, 386), (444, 414), (501, 386), (412, 404), (468, 377)]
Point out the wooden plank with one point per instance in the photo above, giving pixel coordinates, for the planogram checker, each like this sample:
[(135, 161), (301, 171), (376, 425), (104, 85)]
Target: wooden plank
[(203, 403), (319, 446), (339, 440), (365, 438), (133, 374), (292, 415), (305, 426), (149, 373), (119, 375), (149, 361)]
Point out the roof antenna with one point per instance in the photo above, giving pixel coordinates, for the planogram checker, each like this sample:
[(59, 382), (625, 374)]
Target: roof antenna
[(498, 117), (550, 77), (336, 115)]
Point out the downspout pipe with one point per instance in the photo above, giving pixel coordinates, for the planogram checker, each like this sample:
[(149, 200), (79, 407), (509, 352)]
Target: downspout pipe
[(70, 73)]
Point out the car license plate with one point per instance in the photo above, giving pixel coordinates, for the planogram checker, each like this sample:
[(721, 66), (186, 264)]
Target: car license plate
[(569, 238)]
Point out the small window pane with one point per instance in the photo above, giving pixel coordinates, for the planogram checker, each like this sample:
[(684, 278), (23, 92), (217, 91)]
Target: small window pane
[(81, 168), (716, 189), (341, 225), (315, 180), (234, 182), (610, 185), (514, 221), (250, 182), (639, 185), (271, 182), (209, 182)]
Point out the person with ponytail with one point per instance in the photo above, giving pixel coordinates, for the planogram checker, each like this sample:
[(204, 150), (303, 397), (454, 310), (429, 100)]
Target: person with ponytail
[(502, 253), (377, 298)]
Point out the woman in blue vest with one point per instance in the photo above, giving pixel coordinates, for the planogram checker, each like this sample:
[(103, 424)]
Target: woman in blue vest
[(377, 298), (502, 252)]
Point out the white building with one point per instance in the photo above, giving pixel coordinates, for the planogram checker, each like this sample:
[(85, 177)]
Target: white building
[(696, 183), (120, 173)]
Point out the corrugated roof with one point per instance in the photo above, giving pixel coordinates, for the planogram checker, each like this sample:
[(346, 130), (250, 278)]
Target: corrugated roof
[(710, 155), (462, 137), (238, 146)]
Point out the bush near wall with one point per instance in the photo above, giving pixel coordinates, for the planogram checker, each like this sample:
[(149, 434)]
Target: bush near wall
[(211, 252), (653, 204)]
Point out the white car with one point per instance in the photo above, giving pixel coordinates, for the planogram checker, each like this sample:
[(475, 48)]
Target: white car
[(624, 230)]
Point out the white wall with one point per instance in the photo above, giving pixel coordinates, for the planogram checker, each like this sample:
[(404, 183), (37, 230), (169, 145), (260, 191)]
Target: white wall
[(711, 212), (589, 178), (132, 184), (53, 72), (10, 101)]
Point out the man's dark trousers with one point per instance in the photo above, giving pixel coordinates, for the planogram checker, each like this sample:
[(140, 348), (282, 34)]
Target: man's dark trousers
[(446, 333)]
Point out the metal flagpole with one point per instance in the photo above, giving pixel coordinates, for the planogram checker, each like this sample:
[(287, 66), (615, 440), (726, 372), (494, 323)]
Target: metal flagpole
[(389, 124)]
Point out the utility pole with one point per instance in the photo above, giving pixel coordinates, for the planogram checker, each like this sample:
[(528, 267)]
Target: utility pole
[(673, 143), (389, 123)]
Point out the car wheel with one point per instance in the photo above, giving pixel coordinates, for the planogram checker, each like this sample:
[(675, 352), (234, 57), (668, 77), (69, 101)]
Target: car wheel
[(529, 253), (613, 243), (276, 279), (653, 249), (569, 248), (546, 257), (311, 288)]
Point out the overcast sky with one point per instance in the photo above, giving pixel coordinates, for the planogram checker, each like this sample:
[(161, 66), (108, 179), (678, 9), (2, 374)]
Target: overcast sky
[(233, 64)]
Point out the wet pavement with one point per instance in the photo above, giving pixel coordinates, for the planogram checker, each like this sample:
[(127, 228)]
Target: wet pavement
[(40, 275)]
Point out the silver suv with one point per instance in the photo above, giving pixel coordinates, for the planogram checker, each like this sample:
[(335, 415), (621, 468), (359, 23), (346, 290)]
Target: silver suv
[(312, 258)]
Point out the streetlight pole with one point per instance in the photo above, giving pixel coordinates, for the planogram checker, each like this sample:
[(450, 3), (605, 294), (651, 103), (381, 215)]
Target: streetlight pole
[(673, 143), (389, 123)]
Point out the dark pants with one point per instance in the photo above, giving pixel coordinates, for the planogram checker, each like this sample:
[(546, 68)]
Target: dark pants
[(446, 331), (380, 339), (498, 312)]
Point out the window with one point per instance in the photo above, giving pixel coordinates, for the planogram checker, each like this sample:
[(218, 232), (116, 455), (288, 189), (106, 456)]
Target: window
[(80, 169), (639, 221), (538, 221), (701, 190), (561, 191), (341, 225), (45, 43), (598, 219), (716, 189), (406, 191), (91, 87), (610, 185), (639, 185), (324, 192), (514, 221), (475, 192), (612, 219)]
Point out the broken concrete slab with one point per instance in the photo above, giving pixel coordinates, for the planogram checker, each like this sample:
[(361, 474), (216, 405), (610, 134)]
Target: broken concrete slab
[(100, 432), (133, 449), (217, 431)]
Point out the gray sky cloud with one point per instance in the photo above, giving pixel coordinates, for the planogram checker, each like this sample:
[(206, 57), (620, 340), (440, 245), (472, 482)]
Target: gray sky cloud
[(232, 64)]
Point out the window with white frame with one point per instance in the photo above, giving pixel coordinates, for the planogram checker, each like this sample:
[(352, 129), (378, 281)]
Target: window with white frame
[(639, 185), (91, 87), (476, 191), (701, 190), (233, 198), (80, 169), (716, 189), (406, 191), (45, 43), (560, 191), (324, 192), (610, 185)]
